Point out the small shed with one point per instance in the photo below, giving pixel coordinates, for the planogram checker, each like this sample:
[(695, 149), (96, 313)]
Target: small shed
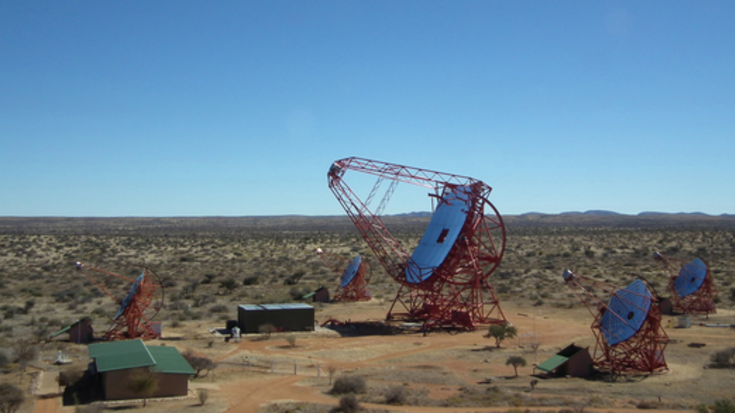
[(571, 361), (116, 363), (80, 332), (284, 317), (320, 295), (666, 306)]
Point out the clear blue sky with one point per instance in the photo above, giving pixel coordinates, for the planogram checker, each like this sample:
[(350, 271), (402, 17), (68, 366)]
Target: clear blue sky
[(182, 108)]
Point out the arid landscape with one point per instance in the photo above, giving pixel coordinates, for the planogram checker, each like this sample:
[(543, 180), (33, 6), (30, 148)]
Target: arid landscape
[(208, 266)]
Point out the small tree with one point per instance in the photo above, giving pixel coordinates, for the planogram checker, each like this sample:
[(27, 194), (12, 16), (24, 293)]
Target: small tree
[(500, 332), (515, 361), (229, 284), (348, 404), (11, 398), (349, 384), (291, 341), (395, 395), (331, 370), (199, 364), (143, 383), (266, 330), (203, 395)]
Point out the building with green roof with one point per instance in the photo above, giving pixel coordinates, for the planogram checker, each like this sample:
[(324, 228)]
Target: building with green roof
[(571, 361), (81, 332), (117, 362)]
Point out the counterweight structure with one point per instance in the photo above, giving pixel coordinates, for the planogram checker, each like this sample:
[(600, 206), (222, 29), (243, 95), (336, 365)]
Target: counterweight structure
[(444, 282), (137, 309), (355, 276), (691, 285), (628, 331)]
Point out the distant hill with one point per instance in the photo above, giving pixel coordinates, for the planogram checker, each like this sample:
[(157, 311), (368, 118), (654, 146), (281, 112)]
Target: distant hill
[(595, 212), (411, 222)]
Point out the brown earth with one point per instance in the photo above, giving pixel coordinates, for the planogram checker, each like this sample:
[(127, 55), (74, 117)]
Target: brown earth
[(440, 364)]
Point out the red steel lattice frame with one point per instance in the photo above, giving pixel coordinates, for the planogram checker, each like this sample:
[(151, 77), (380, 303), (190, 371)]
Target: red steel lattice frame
[(135, 320), (355, 290), (641, 353), (458, 295), (701, 301)]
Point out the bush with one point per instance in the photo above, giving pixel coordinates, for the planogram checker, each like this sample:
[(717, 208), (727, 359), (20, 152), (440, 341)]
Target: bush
[(203, 395), (251, 280), (723, 358), (348, 404), (69, 377), (219, 308), (266, 329), (349, 384), (723, 406), (11, 398), (395, 395), (199, 364)]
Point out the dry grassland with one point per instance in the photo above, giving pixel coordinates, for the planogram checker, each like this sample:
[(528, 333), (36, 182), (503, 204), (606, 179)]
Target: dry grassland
[(210, 265)]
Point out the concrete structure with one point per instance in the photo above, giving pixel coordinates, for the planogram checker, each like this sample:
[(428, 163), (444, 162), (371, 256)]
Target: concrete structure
[(80, 332), (572, 361), (284, 317), (117, 363)]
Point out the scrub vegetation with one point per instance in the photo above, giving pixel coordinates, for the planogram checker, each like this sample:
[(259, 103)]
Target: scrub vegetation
[(209, 265)]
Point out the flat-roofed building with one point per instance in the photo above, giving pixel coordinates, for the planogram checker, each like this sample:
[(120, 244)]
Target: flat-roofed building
[(284, 317)]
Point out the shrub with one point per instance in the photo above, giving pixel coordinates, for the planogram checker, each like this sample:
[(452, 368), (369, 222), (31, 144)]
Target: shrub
[(203, 395), (69, 377), (349, 384), (348, 404), (11, 398), (199, 364), (723, 358), (251, 280), (219, 308), (395, 395), (723, 406), (266, 329), (648, 405)]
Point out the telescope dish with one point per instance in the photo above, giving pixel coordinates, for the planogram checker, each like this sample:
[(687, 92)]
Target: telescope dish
[(137, 309), (354, 278), (691, 285), (131, 295), (439, 238), (444, 281), (350, 272), (628, 331), (691, 277), (626, 312)]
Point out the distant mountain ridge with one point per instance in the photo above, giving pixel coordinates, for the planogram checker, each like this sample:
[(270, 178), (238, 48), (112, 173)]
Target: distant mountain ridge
[(594, 212)]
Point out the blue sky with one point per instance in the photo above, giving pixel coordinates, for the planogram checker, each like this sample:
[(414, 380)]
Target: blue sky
[(182, 108)]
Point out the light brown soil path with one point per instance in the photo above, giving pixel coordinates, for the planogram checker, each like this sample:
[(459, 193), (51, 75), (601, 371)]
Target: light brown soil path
[(247, 396), (47, 405)]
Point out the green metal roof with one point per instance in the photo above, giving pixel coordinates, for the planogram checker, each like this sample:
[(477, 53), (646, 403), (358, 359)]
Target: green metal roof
[(169, 360), (120, 355), (130, 354), (552, 363), (62, 331)]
